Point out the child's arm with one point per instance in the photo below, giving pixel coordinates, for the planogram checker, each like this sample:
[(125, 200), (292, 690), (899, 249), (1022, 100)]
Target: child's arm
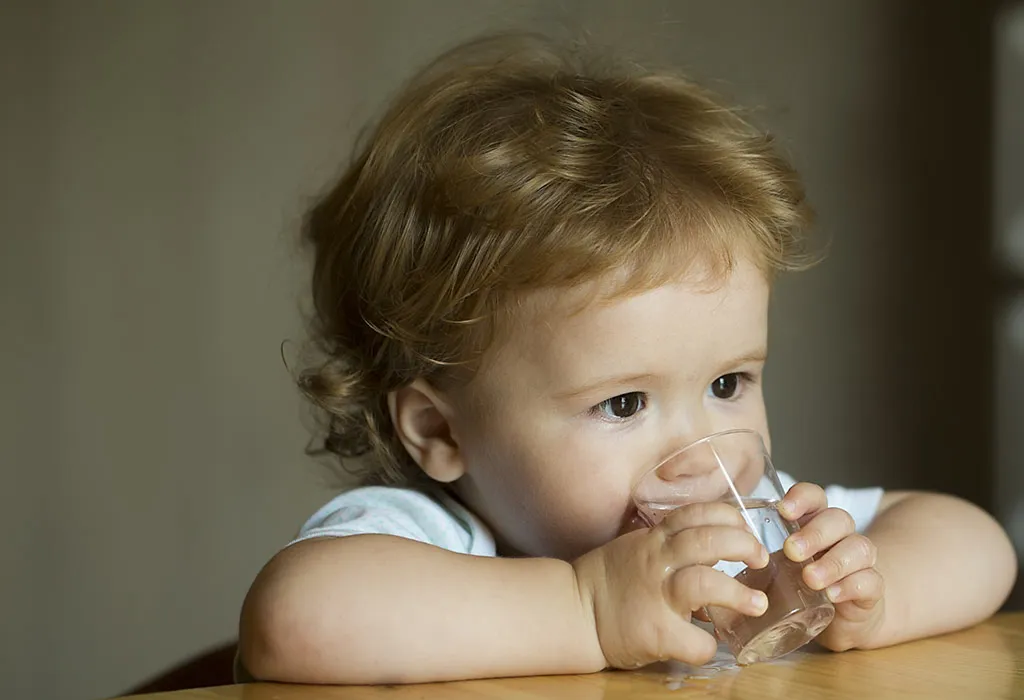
[(928, 564), (381, 609), (946, 563)]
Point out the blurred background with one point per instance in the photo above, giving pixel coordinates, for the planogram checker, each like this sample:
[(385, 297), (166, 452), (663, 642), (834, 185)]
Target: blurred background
[(155, 159)]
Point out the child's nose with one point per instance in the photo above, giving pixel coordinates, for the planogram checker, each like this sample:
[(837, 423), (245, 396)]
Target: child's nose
[(696, 461)]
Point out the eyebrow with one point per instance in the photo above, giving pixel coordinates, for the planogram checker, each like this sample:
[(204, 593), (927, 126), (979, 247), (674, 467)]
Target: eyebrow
[(613, 380), (760, 355)]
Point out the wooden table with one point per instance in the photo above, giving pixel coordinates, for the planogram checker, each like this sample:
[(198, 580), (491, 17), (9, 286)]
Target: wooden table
[(983, 662)]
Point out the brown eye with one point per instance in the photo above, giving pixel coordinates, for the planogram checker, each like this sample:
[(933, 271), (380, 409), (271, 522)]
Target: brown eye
[(623, 406), (725, 386)]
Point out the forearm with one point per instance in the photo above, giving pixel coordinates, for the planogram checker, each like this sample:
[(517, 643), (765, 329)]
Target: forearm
[(946, 564), (380, 609)]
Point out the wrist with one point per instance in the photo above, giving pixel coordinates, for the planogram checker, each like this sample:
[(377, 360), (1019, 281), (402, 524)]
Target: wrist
[(889, 623), (877, 632), (585, 571)]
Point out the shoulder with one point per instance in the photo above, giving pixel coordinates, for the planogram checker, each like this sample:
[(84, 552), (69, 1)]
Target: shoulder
[(431, 517)]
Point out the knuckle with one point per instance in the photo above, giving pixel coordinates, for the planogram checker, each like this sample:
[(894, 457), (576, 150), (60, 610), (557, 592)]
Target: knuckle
[(705, 541), (807, 491), (701, 509), (872, 552), (682, 579), (706, 508), (732, 514), (682, 585), (845, 519), (702, 580), (719, 512), (879, 585), (860, 587), (863, 549), (799, 487), (812, 536), (813, 489), (695, 544), (836, 567), (702, 584)]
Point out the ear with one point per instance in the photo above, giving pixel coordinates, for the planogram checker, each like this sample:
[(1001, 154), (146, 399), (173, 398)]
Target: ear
[(423, 421)]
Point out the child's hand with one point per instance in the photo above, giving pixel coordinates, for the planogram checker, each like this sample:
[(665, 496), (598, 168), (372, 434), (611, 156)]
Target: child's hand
[(643, 587), (845, 570)]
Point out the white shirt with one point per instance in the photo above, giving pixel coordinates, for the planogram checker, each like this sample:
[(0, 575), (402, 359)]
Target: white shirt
[(441, 521)]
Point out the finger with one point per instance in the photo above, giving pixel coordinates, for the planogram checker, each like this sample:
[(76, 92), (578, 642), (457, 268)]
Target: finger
[(851, 555), (852, 612), (695, 587), (821, 532), (862, 588), (802, 499), (711, 544), (689, 644), (695, 514), (869, 592)]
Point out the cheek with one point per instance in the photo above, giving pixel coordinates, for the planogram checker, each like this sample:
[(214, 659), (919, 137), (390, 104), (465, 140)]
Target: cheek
[(555, 498)]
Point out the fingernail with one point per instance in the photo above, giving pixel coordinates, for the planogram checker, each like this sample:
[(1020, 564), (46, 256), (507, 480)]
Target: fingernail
[(815, 573), (833, 593), (798, 545), (787, 507), (760, 601)]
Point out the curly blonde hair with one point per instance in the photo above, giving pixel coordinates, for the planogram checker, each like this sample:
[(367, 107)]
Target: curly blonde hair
[(511, 164)]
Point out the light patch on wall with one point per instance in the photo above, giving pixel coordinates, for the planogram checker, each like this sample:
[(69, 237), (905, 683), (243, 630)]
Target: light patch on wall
[(1012, 22), (1015, 323), (1012, 244)]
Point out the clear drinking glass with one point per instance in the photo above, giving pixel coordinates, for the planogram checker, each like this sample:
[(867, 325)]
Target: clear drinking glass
[(734, 467)]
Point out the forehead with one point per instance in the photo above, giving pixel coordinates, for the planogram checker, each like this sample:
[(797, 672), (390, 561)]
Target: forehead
[(563, 334)]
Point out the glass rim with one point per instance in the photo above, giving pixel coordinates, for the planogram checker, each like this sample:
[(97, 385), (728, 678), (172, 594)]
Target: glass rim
[(695, 443)]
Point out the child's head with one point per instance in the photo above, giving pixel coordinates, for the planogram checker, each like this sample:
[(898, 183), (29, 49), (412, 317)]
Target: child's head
[(539, 277)]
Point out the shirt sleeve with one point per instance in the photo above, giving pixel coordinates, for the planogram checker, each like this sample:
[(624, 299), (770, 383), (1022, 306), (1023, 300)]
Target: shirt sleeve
[(861, 503), (414, 515)]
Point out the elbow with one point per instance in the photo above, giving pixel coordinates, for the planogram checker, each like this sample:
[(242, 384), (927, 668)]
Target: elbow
[(262, 652), (256, 655), (968, 531), (1006, 572), (278, 632), (1000, 559)]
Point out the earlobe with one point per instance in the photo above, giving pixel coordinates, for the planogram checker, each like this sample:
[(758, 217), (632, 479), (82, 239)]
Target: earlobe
[(422, 419)]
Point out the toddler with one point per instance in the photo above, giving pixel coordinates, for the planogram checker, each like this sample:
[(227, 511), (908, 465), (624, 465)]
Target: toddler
[(537, 278)]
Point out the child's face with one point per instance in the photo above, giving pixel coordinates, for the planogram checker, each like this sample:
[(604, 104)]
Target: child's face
[(573, 406)]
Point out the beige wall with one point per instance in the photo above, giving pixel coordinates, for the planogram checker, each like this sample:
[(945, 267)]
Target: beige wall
[(155, 158)]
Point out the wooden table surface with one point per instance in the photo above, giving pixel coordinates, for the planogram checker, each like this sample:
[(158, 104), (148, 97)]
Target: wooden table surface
[(983, 662)]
